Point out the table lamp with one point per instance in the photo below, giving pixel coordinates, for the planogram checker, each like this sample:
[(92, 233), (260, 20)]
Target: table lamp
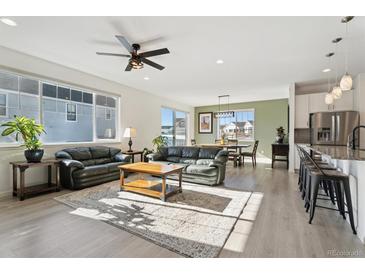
[(130, 133)]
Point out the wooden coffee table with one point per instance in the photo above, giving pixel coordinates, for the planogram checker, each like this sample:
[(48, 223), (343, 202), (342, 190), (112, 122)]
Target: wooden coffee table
[(147, 187)]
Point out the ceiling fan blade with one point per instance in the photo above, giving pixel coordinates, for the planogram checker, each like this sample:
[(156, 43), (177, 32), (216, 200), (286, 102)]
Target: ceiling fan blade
[(113, 54), (128, 67), (154, 52), (152, 64), (124, 42)]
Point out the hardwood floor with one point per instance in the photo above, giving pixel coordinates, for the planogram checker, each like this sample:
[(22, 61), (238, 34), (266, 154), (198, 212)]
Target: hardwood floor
[(277, 227)]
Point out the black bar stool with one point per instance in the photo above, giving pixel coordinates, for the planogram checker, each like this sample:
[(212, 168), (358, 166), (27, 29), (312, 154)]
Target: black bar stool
[(340, 183)]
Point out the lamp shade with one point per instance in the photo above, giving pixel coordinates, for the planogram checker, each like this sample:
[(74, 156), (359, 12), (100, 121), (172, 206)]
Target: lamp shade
[(130, 132), (346, 82), (337, 93), (329, 99)]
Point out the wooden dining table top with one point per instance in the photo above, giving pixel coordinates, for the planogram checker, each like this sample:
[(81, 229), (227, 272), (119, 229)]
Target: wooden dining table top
[(225, 145)]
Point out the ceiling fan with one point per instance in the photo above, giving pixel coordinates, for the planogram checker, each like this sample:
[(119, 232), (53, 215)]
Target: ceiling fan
[(136, 60)]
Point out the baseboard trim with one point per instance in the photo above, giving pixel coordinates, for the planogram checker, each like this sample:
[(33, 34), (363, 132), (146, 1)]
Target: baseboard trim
[(5, 194)]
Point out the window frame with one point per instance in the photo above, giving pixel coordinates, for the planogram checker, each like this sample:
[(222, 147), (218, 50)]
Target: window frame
[(254, 124), (91, 91)]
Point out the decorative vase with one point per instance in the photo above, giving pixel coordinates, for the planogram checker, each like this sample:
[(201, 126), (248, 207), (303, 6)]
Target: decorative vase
[(222, 141), (33, 155)]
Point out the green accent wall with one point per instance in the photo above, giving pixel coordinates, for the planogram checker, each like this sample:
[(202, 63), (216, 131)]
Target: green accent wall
[(268, 116)]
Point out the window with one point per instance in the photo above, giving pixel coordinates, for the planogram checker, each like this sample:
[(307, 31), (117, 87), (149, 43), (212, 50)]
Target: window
[(105, 117), (240, 127), (3, 104), (69, 114), (174, 126), (108, 114), (18, 96)]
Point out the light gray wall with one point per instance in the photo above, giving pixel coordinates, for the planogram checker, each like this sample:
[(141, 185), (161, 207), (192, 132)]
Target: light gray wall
[(139, 109)]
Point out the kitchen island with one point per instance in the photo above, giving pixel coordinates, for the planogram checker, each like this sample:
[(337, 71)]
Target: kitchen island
[(351, 162)]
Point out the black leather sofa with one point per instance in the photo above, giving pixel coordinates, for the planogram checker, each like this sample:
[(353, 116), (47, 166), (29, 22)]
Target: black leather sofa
[(87, 166), (201, 165)]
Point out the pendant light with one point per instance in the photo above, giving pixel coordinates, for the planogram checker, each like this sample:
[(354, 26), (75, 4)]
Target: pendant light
[(336, 91), (346, 80), (223, 114), (329, 100)]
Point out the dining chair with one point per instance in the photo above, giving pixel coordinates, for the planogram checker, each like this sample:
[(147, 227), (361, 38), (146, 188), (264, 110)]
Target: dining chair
[(233, 154), (251, 154)]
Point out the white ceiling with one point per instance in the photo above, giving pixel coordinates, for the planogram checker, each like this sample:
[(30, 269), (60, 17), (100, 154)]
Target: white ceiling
[(262, 55)]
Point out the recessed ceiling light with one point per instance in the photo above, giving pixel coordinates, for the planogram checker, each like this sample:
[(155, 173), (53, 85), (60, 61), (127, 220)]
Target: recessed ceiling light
[(8, 22), (219, 61), (146, 78), (326, 70)]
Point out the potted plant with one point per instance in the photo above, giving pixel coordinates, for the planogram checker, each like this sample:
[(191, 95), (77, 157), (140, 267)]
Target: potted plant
[(280, 134), (145, 152), (160, 141), (30, 131)]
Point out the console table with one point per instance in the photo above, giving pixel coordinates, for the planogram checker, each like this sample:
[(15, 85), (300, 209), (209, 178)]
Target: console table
[(281, 150), (24, 191)]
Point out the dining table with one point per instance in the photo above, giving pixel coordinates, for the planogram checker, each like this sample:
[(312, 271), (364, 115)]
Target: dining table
[(238, 147)]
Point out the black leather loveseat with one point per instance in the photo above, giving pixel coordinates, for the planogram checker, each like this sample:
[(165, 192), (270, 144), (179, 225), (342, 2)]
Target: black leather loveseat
[(87, 166), (201, 165)]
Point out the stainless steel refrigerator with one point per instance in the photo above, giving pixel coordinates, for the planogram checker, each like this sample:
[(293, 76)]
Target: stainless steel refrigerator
[(332, 128)]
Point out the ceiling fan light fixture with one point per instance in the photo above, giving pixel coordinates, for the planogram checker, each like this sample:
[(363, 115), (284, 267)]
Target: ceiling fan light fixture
[(136, 64), (336, 92), (346, 82)]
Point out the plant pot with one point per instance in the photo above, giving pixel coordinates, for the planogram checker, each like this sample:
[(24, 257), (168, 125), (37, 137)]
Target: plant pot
[(34, 155), (279, 139)]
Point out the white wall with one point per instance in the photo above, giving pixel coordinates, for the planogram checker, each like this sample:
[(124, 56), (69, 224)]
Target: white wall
[(292, 147), (138, 109)]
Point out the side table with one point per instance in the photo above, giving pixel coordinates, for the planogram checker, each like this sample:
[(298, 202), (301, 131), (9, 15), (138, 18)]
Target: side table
[(132, 153), (24, 191)]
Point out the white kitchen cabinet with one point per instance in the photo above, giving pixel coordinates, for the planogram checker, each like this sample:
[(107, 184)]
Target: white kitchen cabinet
[(317, 104), (302, 111), (346, 102)]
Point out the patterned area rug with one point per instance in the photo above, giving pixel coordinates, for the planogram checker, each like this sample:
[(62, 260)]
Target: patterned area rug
[(194, 223)]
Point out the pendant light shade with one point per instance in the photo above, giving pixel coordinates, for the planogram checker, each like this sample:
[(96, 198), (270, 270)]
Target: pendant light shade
[(329, 99), (336, 92), (346, 82)]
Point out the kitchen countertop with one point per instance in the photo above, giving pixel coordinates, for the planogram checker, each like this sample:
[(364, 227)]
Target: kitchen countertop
[(340, 152)]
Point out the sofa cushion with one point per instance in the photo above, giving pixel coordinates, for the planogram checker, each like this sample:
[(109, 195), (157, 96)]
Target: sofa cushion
[(113, 167), (90, 171), (173, 159), (100, 152), (79, 153), (114, 151), (202, 170), (187, 161), (204, 162), (174, 151), (163, 151), (90, 162), (102, 161), (190, 152), (208, 153)]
